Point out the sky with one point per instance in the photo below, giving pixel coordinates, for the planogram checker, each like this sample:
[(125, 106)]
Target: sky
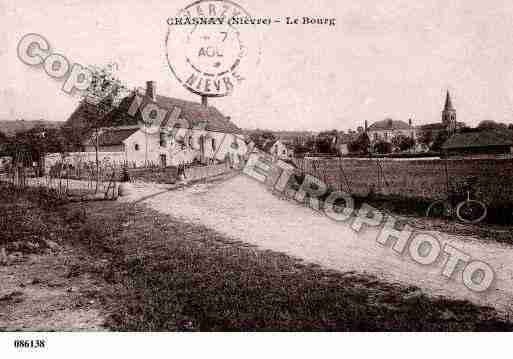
[(389, 58)]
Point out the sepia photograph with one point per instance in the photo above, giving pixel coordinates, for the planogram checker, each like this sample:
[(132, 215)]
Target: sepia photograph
[(219, 166)]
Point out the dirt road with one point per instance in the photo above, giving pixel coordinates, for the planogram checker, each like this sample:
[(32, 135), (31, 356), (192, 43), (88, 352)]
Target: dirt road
[(244, 209)]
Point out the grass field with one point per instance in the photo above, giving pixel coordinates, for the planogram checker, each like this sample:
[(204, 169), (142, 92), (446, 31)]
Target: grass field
[(159, 273), (421, 180)]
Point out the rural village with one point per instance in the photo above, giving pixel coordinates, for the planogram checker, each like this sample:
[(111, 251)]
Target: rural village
[(141, 211), (106, 151)]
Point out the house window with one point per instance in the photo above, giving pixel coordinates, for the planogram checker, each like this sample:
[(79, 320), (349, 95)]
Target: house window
[(136, 147), (214, 145), (190, 141), (376, 136), (162, 139)]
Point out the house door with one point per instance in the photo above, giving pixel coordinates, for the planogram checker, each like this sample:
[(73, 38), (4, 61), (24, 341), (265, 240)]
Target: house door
[(202, 149), (163, 161)]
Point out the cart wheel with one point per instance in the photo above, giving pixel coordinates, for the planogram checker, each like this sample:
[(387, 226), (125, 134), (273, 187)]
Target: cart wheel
[(471, 211)]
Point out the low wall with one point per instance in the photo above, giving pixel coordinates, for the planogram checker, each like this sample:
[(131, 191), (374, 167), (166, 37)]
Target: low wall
[(157, 175), (416, 178), (199, 172), (169, 174)]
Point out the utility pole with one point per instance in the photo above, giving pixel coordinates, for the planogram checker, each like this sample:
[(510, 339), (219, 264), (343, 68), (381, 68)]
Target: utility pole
[(97, 145)]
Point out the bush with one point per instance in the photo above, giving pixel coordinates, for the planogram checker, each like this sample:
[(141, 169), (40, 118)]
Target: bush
[(383, 147)]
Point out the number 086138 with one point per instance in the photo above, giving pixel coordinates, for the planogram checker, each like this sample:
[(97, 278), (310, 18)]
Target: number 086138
[(29, 344)]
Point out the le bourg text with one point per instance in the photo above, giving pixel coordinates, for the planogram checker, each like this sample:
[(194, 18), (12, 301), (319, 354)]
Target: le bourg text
[(247, 20)]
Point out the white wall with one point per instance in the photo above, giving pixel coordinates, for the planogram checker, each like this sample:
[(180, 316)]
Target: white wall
[(176, 154), (79, 158), (279, 150), (149, 148), (391, 134)]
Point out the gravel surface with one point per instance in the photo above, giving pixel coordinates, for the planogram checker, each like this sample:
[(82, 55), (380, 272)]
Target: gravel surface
[(245, 210)]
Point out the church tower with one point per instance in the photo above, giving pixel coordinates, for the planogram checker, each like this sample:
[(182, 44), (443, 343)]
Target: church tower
[(449, 115)]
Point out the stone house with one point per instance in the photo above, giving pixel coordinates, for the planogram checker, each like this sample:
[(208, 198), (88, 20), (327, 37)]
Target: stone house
[(387, 129), (188, 132), (279, 149)]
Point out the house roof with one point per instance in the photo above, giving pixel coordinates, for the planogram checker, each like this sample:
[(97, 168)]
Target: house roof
[(84, 117), (111, 136), (489, 138), (388, 124), (194, 113)]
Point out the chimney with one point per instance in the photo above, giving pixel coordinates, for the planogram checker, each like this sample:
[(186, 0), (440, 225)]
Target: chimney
[(204, 101), (366, 125), (409, 122), (151, 90)]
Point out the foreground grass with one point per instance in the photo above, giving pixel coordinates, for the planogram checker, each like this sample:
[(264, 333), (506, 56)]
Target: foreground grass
[(166, 275), (170, 275)]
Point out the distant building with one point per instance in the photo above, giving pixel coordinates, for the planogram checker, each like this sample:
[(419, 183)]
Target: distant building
[(448, 123), (294, 137), (279, 149), (387, 129), (480, 143)]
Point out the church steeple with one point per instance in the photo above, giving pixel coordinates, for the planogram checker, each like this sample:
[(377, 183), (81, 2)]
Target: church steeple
[(449, 114), (448, 103)]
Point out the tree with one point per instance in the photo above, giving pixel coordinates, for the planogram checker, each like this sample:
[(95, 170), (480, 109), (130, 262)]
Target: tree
[(32, 145), (324, 145), (97, 106), (426, 137), (491, 125), (261, 137), (439, 141), (383, 147), (360, 145), (326, 141), (330, 133), (402, 142), (100, 100), (4, 142)]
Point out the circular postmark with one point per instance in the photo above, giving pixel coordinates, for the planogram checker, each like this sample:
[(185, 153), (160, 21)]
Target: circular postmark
[(209, 49)]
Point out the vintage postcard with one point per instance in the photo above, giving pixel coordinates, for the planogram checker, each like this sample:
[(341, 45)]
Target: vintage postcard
[(243, 166)]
